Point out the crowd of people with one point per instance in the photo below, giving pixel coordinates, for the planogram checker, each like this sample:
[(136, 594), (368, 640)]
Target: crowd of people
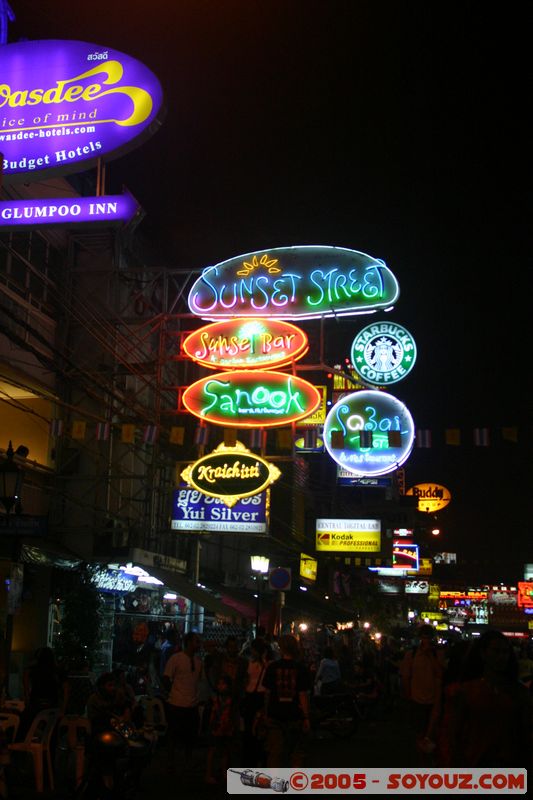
[(466, 704)]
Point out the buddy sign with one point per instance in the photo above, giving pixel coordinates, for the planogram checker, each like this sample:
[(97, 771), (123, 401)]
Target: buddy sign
[(64, 104), (294, 283), (230, 473), (431, 496)]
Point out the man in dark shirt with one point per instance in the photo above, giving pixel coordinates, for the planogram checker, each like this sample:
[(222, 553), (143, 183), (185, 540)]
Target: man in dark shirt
[(287, 682)]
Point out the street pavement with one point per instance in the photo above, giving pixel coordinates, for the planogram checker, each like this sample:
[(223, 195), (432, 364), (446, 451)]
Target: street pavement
[(380, 741)]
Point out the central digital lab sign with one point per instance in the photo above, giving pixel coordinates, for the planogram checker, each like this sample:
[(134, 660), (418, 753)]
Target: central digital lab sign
[(302, 282), (65, 104), (369, 433)]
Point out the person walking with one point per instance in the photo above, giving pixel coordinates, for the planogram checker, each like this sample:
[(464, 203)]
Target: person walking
[(253, 703), (421, 675), (181, 679), (287, 682), (222, 728), (328, 674)]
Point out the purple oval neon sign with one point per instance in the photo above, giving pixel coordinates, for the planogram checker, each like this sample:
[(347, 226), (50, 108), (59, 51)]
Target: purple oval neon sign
[(66, 102)]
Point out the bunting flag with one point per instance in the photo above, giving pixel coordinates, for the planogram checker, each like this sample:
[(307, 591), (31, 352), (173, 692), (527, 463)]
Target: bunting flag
[(230, 437), (510, 434), (365, 439), (201, 435), (257, 438), (128, 434), (481, 437), (284, 439), (310, 438), (394, 438), (150, 434), (56, 427), (400, 480), (423, 438), (453, 436), (103, 429), (79, 427), (337, 440), (177, 435)]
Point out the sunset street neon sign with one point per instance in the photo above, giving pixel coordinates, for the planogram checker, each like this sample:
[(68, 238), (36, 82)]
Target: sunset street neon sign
[(383, 353), (246, 343), (302, 282), (66, 102), (230, 474), (67, 211), (380, 414), (251, 399)]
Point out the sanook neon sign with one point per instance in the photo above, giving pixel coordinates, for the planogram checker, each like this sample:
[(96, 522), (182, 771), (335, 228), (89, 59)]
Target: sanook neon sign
[(379, 414), (251, 399), (230, 474), (67, 211), (247, 343), (383, 353), (66, 102), (294, 283), (431, 496)]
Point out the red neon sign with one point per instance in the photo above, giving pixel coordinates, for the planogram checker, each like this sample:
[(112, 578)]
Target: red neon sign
[(251, 399), (246, 344), (525, 594)]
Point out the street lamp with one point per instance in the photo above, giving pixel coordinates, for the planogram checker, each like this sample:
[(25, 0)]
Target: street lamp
[(259, 566), (10, 482)]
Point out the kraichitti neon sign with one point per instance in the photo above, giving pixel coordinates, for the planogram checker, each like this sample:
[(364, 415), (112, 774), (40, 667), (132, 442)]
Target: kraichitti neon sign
[(66, 102), (369, 433), (246, 343), (230, 474), (294, 283), (251, 399), (383, 353)]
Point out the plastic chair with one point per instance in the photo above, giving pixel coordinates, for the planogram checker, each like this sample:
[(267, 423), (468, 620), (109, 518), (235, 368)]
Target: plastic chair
[(37, 743), (73, 733), (10, 724), (154, 715)]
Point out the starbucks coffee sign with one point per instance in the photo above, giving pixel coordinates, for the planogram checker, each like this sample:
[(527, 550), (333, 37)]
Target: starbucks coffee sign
[(383, 353), (230, 473)]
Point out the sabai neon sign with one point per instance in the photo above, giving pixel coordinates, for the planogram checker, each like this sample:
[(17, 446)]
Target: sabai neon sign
[(295, 282), (246, 343), (246, 399)]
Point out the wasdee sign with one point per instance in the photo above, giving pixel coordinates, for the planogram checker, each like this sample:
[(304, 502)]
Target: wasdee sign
[(230, 473), (301, 282), (67, 102)]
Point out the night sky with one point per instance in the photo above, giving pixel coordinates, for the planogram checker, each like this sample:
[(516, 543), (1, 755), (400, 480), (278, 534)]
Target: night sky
[(397, 129)]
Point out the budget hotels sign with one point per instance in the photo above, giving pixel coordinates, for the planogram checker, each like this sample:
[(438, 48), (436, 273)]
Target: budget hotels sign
[(68, 103)]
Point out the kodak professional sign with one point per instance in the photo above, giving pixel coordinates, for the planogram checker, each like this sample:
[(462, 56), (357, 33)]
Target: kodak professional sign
[(248, 399), (64, 104), (431, 496), (246, 343), (230, 473), (348, 535), (294, 283)]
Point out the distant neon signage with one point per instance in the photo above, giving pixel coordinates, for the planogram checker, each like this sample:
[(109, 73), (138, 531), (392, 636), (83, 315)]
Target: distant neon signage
[(294, 283), (67, 211), (230, 474), (525, 594), (251, 399), (431, 496), (247, 344), (405, 556), (377, 416), (64, 103), (383, 353)]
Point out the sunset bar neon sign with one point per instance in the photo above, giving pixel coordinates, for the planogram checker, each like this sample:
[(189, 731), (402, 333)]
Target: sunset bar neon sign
[(302, 282), (246, 343), (251, 399)]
